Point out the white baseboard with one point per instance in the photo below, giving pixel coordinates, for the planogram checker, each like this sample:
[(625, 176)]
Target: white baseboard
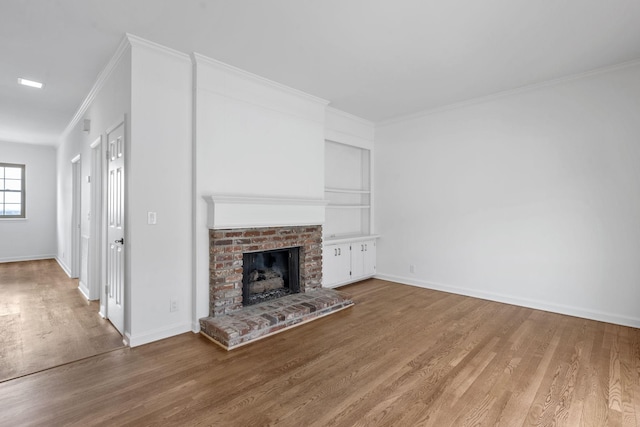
[(26, 258), (157, 334), (84, 290), (195, 327), (348, 282), (63, 266), (522, 302)]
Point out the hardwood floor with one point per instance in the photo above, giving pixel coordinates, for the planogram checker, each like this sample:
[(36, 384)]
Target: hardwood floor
[(45, 321), (402, 356)]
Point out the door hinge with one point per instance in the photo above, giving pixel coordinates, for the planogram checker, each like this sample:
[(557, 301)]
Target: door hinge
[(106, 289)]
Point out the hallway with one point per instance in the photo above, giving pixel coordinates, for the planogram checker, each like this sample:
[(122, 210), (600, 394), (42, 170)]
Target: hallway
[(45, 321)]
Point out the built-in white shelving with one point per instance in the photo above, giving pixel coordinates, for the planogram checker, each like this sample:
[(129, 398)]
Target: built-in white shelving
[(347, 191), (349, 247)]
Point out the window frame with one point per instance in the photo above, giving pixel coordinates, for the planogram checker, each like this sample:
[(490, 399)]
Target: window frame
[(22, 191)]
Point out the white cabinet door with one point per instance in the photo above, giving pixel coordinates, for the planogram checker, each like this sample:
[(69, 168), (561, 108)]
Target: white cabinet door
[(357, 259), (369, 259), (363, 259), (336, 264)]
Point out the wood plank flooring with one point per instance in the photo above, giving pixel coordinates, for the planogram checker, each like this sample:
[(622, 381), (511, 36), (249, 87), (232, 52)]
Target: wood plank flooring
[(402, 356), (45, 321)]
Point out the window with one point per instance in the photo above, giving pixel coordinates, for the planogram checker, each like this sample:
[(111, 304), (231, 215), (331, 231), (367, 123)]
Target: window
[(12, 195)]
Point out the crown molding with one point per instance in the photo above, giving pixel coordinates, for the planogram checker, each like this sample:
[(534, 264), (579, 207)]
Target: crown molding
[(104, 75), (201, 59), (127, 42), (136, 41), (357, 132), (510, 92), (350, 116)]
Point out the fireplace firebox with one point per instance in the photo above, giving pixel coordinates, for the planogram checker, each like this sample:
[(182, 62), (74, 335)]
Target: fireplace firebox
[(271, 274), (226, 260)]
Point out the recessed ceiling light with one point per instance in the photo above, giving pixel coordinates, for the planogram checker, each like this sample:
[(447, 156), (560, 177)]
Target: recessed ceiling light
[(30, 83)]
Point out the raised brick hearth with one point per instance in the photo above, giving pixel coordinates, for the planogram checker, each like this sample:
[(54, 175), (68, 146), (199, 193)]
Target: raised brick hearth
[(264, 319), (230, 323)]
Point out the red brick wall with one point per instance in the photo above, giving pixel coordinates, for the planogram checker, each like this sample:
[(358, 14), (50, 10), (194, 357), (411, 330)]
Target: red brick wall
[(225, 260)]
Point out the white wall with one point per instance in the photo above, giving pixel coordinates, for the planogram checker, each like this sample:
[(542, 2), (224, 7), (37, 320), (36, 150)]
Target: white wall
[(253, 138), (531, 198), (35, 236), (159, 167)]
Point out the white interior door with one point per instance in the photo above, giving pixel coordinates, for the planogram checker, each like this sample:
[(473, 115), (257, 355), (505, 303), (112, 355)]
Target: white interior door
[(115, 227)]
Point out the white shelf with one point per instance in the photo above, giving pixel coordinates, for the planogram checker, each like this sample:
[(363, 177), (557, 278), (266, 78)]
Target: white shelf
[(337, 206), (346, 191), (346, 238)]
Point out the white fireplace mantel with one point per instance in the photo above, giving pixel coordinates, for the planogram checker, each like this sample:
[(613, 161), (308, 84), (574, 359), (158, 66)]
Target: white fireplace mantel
[(225, 211)]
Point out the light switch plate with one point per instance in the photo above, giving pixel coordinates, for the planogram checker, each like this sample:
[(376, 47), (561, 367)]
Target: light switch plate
[(151, 218)]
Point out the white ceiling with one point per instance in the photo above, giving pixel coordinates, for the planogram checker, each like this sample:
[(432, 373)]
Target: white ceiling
[(373, 58)]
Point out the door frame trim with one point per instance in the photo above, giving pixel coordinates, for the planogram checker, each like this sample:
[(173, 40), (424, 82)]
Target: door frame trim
[(76, 216), (95, 223)]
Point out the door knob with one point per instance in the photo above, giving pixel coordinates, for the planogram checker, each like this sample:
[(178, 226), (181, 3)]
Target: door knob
[(121, 241)]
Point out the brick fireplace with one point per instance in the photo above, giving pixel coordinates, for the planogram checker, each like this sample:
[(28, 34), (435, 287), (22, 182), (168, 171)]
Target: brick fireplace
[(227, 249), (241, 226)]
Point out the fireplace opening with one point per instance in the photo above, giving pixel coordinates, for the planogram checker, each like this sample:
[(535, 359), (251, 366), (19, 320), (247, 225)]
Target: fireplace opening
[(269, 275)]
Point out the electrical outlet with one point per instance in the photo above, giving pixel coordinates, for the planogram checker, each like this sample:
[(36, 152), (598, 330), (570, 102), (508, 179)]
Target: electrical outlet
[(412, 268), (173, 305)]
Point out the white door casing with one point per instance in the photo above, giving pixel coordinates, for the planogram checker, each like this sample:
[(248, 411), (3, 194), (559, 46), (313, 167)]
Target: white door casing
[(95, 223), (75, 216), (115, 226)]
